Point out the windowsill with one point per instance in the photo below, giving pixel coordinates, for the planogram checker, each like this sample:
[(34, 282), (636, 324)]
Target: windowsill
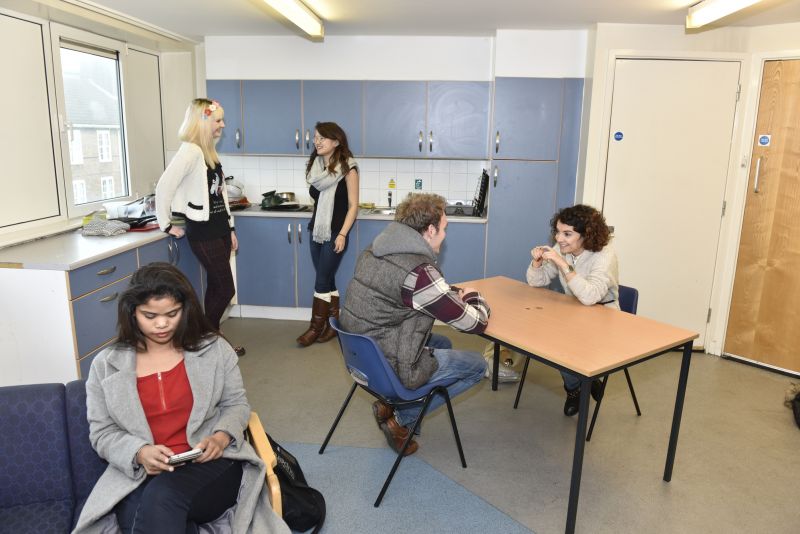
[(19, 237)]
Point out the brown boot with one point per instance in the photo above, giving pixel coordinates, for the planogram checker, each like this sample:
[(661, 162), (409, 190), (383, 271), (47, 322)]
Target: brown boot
[(319, 314), (381, 411), (329, 333), (396, 435)]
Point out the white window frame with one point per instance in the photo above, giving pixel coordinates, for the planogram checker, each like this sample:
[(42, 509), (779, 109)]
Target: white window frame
[(104, 146), (59, 33), (75, 147), (79, 185)]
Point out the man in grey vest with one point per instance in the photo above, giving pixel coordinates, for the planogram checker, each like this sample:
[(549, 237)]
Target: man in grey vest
[(397, 293)]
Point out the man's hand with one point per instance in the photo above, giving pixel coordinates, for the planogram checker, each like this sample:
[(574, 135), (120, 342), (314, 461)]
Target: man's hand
[(212, 446), (154, 459)]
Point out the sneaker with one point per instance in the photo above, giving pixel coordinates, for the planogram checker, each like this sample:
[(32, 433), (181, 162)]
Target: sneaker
[(505, 374), (573, 401), (597, 390)]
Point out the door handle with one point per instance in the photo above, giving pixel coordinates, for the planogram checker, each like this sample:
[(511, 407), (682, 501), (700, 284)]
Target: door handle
[(300, 233), (297, 139), (758, 171), (107, 270), (289, 233), (495, 177), (238, 138), (430, 142), (420, 140), (497, 142), (110, 297), (308, 138)]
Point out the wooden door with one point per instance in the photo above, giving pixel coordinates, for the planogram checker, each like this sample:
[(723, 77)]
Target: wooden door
[(764, 320), (668, 157)]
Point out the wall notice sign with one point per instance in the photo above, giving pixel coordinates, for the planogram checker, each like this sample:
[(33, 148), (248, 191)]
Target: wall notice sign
[(392, 183), (764, 140), (418, 184), (618, 136)]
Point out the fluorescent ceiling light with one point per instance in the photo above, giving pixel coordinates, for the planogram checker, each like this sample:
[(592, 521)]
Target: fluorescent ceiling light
[(297, 12), (707, 11)]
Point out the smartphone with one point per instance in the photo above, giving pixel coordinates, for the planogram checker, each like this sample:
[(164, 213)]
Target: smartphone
[(184, 456)]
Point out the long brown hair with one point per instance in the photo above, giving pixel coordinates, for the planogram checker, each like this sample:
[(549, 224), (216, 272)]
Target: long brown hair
[(158, 280), (341, 154)]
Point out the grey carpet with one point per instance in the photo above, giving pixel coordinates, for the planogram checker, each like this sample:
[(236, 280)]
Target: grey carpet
[(420, 499)]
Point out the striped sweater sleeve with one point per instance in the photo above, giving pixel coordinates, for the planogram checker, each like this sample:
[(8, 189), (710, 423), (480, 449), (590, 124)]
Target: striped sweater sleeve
[(425, 290)]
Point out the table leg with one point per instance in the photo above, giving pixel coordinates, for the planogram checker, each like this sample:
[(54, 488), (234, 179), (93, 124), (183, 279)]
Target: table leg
[(676, 417), (495, 366), (577, 458)]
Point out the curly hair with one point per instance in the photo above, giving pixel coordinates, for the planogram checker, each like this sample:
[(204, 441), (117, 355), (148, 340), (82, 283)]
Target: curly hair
[(586, 221), (421, 210)]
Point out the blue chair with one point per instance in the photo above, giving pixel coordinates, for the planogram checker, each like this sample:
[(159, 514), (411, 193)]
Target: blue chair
[(628, 302), (371, 372)]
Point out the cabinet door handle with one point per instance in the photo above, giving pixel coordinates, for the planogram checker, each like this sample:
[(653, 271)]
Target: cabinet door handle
[(297, 139), (430, 141), (495, 177), (107, 270), (300, 233), (308, 138), (170, 256), (238, 138), (110, 297), (758, 171), (420, 140), (289, 232), (497, 142)]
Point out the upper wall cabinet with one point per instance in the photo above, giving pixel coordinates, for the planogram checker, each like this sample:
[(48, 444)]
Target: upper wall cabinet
[(527, 118), (426, 119), (338, 101), (273, 122), (229, 94)]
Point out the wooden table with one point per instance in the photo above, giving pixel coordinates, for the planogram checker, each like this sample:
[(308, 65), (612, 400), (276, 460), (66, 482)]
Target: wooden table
[(588, 341)]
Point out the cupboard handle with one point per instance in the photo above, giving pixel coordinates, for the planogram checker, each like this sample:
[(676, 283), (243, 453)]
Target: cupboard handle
[(108, 270), (758, 171), (420, 140), (300, 233), (308, 138), (497, 142), (430, 141), (297, 139), (289, 233), (109, 298), (238, 138), (495, 177), (170, 259)]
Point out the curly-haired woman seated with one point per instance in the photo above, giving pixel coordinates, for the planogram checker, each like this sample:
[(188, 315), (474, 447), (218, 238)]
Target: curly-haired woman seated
[(168, 385), (587, 267)]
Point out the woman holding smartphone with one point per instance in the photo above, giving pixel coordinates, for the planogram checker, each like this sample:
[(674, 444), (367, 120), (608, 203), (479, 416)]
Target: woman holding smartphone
[(168, 385)]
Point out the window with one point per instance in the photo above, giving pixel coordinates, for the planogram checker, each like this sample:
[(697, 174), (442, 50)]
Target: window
[(107, 187), (103, 146), (79, 191), (75, 147)]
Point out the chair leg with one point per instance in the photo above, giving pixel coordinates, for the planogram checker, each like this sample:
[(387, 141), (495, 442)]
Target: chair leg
[(597, 407), (633, 393), (400, 454), (522, 382), (336, 422)]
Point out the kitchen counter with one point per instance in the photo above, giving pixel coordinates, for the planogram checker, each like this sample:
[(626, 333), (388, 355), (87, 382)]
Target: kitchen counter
[(68, 251), (363, 214)]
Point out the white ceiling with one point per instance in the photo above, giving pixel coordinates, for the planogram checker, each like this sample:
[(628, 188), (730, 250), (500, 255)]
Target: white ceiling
[(198, 18)]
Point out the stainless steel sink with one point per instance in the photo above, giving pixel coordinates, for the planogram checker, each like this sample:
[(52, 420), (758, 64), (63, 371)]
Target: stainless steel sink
[(382, 211)]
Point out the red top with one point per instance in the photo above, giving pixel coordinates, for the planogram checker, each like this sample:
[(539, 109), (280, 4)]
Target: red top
[(167, 401)]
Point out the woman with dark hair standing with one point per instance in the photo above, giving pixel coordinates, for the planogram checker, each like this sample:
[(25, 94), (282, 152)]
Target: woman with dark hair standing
[(169, 384), (587, 268), (193, 186), (332, 176)]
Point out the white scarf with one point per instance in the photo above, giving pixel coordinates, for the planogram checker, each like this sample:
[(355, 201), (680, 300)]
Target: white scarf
[(326, 183)]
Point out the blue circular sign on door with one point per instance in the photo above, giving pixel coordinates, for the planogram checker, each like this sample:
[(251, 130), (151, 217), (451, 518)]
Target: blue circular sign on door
[(618, 136), (764, 140)]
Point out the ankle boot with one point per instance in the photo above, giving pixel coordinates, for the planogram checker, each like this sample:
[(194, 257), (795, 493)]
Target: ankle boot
[(329, 333), (319, 315)]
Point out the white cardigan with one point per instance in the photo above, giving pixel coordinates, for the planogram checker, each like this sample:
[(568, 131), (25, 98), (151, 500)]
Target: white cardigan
[(183, 188)]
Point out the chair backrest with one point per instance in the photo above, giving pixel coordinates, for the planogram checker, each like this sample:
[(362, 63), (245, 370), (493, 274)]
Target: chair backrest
[(628, 299), (368, 366)]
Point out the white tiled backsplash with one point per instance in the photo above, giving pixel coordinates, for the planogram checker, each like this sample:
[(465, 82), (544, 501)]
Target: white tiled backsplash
[(453, 179)]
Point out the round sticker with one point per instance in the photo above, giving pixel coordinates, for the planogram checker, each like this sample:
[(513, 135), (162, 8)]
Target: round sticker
[(764, 140), (618, 136)]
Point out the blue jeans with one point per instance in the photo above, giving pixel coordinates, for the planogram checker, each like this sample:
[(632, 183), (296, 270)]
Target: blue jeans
[(467, 367), (570, 381), (326, 263)]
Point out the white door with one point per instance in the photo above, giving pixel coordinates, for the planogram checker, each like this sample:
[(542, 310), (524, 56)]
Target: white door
[(669, 147)]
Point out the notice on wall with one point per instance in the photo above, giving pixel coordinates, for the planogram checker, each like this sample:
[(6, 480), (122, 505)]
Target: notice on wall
[(764, 140)]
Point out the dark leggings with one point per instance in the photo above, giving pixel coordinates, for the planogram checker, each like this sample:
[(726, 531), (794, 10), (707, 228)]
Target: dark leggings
[(176, 502), (215, 256), (326, 263)]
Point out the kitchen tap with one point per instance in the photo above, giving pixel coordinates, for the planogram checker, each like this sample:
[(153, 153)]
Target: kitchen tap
[(390, 199)]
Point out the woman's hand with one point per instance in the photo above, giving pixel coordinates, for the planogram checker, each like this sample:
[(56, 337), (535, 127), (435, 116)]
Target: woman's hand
[(339, 243), (549, 254), (177, 232), (234, 242), (212, 446), (154, 459)]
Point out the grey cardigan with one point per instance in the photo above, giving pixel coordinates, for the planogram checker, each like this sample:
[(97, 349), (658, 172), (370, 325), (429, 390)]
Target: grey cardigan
[(118, 428)]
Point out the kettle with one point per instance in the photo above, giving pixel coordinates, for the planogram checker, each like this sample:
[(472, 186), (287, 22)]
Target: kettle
[(270, 200)]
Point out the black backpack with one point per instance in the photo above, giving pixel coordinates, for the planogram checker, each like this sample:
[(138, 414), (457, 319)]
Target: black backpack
[(303, 506)]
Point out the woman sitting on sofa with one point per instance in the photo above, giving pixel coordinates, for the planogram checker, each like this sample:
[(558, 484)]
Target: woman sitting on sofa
[(170, 384)]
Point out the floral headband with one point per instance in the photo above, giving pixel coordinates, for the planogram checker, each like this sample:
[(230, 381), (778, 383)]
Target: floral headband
[(211, 108)]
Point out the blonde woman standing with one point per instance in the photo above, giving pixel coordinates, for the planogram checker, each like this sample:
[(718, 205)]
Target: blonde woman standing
[(193, 186)]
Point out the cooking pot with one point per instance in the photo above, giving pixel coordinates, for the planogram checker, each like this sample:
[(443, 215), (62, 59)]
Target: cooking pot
[(286, 196), (270, 200)]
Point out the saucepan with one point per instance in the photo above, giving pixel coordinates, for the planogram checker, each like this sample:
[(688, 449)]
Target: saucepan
[(286, 196)]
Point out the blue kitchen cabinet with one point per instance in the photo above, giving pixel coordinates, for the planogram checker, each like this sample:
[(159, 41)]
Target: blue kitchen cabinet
[(155, 251), (184, 259), (229, 94), (306, 274), (394, 118), (272, 116), (527, 118), (339, 101), (463, 251), (458, 120), (265, 263), (368, 230), (570, 140), (521, 203)]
